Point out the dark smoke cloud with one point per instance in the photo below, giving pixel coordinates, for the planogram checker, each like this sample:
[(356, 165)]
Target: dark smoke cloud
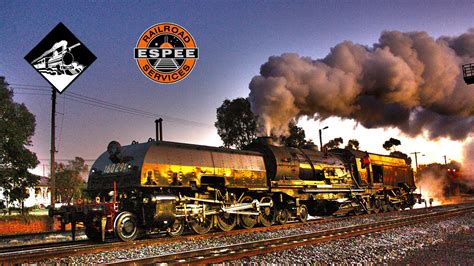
[(409, 81)]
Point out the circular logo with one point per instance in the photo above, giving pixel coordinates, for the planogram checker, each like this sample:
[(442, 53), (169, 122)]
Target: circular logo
[(166, 53)]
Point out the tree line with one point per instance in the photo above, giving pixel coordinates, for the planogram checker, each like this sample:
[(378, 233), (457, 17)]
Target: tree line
[(17, 127)]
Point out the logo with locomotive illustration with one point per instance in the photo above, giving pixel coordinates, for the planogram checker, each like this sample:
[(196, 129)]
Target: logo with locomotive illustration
[(166, 53), (60, 57)]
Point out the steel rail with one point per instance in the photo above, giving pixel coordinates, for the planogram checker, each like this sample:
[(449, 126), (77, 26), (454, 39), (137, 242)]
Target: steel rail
[(16, 250), (243, 250)]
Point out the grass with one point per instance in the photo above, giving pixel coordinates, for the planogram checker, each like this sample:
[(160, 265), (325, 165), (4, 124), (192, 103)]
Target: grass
[(35, 214)]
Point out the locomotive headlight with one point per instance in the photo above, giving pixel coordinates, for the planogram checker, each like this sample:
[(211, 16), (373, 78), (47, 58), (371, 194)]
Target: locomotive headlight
[(145, 200)]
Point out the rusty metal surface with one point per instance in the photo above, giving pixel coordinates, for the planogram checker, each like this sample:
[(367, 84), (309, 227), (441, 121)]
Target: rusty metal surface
[(169, 164), (394, 169), (178, 165)]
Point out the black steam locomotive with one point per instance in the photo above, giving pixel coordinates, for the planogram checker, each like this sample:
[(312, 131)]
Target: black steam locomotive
[(159, 185)]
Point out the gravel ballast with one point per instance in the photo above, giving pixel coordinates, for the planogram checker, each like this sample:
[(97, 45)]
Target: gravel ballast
[(444, 242)]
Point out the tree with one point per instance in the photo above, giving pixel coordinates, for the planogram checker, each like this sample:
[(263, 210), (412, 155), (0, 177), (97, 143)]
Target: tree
[(69, 181), (334, 143), (236, 124), (17, 126), (401, 155), (352, 144), (389, 144), (296, 137)]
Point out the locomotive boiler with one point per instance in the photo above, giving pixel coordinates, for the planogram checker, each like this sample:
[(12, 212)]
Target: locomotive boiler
[(160, 185)]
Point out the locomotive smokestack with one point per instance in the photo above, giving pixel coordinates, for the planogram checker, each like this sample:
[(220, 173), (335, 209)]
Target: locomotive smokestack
[(265, 140), (159, 129), (115, 151)]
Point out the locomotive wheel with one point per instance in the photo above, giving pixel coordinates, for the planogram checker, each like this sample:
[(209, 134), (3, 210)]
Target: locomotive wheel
[(202, 225), (226, 221), (267, 214), (283, 216), (303, 217), (176, 229), (126, 226), (247, 221)]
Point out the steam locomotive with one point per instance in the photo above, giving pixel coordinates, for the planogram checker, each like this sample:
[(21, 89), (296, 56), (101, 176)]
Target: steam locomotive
[(58, 60), (160, 185)]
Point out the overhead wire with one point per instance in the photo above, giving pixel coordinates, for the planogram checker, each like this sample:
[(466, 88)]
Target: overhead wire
[(79, 98)]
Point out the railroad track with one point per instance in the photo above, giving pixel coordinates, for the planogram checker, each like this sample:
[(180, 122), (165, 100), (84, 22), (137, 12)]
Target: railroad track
[(243, 250), (38, 252), (18, 251)]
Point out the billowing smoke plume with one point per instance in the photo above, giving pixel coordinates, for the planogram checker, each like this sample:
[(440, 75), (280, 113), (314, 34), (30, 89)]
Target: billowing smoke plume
[(432, 185), (409, 81), (468, 164)]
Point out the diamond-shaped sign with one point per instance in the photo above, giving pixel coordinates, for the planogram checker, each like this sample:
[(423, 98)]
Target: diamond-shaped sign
[(60, 57)]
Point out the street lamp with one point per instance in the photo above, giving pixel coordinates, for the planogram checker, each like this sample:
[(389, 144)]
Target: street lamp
[(321, 137)]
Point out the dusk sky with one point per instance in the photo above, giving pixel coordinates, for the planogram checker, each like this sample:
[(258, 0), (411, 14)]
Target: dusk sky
[(234, 39)]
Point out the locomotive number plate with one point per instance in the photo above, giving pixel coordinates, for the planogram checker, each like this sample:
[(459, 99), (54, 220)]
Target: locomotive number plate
[(117, 168)]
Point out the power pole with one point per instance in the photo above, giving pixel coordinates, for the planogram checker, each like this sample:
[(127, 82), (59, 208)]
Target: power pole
[(321, 137), (445, 161), (53, 147), (416, 159)]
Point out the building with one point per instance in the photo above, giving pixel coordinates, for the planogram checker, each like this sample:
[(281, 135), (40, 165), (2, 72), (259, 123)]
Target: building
[(40, 195)]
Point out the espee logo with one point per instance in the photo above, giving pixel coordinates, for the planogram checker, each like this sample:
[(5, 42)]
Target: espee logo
[(166, 53)]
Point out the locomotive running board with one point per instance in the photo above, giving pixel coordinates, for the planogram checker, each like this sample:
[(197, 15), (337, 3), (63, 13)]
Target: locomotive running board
[(332, 190)]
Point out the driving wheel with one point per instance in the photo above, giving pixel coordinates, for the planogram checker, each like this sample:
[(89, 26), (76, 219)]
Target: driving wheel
[(176, 229), (247, 221), (226, 221), (267, 214), (202, 225)]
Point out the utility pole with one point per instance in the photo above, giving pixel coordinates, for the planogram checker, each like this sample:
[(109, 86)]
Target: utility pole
[(416, 159), (53, 147), (321, 138), (445, 161)]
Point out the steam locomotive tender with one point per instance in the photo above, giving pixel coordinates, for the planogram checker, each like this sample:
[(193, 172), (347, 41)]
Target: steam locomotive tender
[(159, 185)]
